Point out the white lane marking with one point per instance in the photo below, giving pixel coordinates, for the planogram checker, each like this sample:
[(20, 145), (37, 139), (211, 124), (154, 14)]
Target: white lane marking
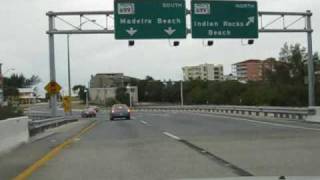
[(172, 136), (265, 123), (143, 122)]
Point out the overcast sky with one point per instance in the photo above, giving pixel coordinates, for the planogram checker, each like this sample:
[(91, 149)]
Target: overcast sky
[(24, 44)]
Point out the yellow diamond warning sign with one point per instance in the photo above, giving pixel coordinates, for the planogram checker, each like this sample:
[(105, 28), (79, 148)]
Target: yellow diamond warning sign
[(52, 88)]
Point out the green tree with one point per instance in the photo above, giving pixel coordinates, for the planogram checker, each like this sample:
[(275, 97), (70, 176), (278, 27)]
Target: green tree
[(122, 96), (15, 81), (153, 91), (81, 90), (171, 92)]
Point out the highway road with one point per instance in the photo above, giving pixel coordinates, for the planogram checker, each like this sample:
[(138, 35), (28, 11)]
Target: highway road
[(178, 145)]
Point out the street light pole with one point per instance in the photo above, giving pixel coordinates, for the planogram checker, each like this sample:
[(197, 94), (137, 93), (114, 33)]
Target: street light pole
[(181, 92), (130, 96), (69, 71), (87, 97)]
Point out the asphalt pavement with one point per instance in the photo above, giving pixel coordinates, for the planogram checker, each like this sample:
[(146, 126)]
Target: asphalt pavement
[(183, 145)]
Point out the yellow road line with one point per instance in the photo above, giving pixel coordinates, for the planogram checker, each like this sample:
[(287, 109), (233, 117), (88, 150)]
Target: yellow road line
[(50, 155)]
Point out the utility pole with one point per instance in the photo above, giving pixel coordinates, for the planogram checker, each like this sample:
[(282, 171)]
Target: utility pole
[(181, 93)]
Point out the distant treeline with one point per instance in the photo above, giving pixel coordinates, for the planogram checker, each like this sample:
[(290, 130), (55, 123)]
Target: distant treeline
[(284, 85)]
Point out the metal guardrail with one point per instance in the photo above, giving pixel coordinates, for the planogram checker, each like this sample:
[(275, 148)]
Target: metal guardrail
[(38, 126), (272, 112), (36, 115)]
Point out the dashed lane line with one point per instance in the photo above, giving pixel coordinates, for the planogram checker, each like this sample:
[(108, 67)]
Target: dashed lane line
[(143, 122), (172, 136)]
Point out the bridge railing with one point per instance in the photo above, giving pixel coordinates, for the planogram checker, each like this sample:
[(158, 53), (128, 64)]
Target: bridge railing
[(272, 112)]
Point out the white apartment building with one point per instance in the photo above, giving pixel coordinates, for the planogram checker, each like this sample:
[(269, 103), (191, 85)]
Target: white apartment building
[(206, 72)]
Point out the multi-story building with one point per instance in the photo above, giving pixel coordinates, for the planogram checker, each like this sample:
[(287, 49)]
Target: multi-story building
[(104, 87), (106, 80), (229, 77), (252, 70), (206, 72), (249, 70)]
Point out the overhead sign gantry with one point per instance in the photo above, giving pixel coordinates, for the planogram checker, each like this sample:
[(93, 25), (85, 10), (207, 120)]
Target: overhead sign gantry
[(166, 19)]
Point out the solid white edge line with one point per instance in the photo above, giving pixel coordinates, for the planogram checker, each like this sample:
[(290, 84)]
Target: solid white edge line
[(265, 123), (171, 136)]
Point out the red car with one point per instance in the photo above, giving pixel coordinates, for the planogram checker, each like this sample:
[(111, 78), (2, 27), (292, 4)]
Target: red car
[(90, 112)]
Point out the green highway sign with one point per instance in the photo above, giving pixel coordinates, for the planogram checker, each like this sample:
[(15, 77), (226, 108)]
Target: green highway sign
[(150, 19), (224, 19)]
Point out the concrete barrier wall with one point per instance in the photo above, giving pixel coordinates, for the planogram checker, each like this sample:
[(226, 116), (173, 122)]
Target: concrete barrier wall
[(316, 116), (290, 113), (13, 132)]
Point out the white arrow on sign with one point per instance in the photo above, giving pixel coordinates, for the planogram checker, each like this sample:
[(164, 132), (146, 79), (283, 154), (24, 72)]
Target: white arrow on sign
[(170, 31), (131, 31), (250, 20)]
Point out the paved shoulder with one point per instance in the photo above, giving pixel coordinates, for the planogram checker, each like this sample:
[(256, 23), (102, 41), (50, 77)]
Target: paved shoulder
[(13, 163)]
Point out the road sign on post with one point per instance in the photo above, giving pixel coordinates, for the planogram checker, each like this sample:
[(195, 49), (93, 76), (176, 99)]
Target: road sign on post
[(52, 88), (150, 19), (224, 19)]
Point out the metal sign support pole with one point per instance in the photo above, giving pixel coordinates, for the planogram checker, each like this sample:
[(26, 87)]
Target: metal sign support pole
[(53, 98), (311, 75)]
